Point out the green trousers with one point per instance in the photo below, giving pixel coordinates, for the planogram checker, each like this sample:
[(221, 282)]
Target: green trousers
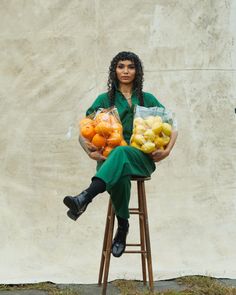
[(116, 172)]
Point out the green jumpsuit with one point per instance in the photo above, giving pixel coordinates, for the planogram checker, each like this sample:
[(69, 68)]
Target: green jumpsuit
[(123, 161)]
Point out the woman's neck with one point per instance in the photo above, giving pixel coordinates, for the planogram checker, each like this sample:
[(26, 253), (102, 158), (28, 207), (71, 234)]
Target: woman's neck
[(126, 89)]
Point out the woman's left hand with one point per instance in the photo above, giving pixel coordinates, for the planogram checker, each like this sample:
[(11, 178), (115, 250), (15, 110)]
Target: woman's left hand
[(159, 155)]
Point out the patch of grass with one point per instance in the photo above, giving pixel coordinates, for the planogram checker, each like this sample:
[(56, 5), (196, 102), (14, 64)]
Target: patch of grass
[(195, 285), (50, 288), (127, 287), (186, 292), (196, 281), (202, 285)]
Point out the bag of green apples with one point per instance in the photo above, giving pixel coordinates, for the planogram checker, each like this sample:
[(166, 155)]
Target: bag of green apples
[(152, 128)]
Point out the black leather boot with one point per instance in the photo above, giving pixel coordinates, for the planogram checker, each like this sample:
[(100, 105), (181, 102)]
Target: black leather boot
[(77, 204), (119, 241)]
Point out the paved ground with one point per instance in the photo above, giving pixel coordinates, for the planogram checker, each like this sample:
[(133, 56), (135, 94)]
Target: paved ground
[(111, 289)]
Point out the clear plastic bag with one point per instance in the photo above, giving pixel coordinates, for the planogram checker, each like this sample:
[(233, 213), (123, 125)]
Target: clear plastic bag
[(152, 128), (101, 131)]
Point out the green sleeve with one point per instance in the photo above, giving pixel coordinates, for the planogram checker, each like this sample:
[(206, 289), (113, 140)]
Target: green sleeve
[(151, 101), (100, 102)]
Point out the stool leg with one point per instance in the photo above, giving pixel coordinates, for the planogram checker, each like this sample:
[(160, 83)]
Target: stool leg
[(142, 231), (108, 250), (147, 237), (104, 247)]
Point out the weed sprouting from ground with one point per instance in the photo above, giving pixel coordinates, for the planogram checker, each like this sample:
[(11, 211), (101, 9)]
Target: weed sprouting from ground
[(195, 285), (49, 287), (201, 285), (128, 287)]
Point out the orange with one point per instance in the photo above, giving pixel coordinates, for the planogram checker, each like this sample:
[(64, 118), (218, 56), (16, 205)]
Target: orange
[(98, 140), (117, 127), (123, 142), (102, 117), (107, 151), (87, 131), (85, 121), (114, 139), (103, 128), (113, 119)]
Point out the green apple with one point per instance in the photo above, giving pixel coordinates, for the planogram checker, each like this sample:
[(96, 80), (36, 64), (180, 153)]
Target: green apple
[(134, 144), (158, 119), (166, 129), (157, 127), (148, 147), (149, 135), (138, 121), (138, 138), (166, 140), (139, 129), (159, 142), (149, 121)]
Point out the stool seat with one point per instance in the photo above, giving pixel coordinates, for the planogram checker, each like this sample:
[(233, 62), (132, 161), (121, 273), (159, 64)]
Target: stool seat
[(143, 245)]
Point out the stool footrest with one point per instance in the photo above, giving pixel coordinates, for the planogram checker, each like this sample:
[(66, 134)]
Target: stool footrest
[(135, 211), (138, 245)]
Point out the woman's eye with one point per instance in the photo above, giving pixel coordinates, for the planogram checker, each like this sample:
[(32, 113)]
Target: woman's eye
[(120, 66)]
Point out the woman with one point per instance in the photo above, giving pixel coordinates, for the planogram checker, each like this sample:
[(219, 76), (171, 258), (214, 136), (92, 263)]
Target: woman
[(125, 85)]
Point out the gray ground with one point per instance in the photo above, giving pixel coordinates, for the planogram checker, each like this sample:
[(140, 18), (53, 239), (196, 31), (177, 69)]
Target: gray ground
[(94, 289)]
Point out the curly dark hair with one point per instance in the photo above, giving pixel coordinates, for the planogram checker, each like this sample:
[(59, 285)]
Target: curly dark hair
[(113, 82)]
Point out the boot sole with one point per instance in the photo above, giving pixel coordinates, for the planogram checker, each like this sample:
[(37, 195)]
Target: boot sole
[(117, 255), (74, 213), (68, 201)]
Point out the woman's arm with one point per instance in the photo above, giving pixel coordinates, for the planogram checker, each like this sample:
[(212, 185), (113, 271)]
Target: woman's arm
[(159, 155)]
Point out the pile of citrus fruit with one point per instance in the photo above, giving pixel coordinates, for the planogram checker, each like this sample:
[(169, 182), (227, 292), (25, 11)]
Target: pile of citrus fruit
[(104, 131), (150, 133)]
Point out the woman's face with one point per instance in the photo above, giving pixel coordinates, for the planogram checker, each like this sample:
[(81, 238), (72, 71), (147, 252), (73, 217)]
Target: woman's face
[(125, 71)]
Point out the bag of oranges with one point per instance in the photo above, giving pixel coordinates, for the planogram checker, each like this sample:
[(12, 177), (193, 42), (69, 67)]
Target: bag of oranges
[(102, 131), (152, 128)]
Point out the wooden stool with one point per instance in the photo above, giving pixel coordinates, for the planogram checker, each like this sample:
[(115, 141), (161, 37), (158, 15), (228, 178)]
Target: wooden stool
[(144, 244)]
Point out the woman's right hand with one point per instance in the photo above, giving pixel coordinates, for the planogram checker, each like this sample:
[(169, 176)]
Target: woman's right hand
[(90, 146), (87, 145), (96, 155), (91, 149)]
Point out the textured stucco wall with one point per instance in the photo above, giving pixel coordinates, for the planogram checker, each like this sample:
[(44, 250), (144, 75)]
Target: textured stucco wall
[(54, 61)]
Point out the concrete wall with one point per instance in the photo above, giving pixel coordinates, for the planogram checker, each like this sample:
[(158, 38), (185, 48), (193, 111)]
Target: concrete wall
[(54, 62)]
